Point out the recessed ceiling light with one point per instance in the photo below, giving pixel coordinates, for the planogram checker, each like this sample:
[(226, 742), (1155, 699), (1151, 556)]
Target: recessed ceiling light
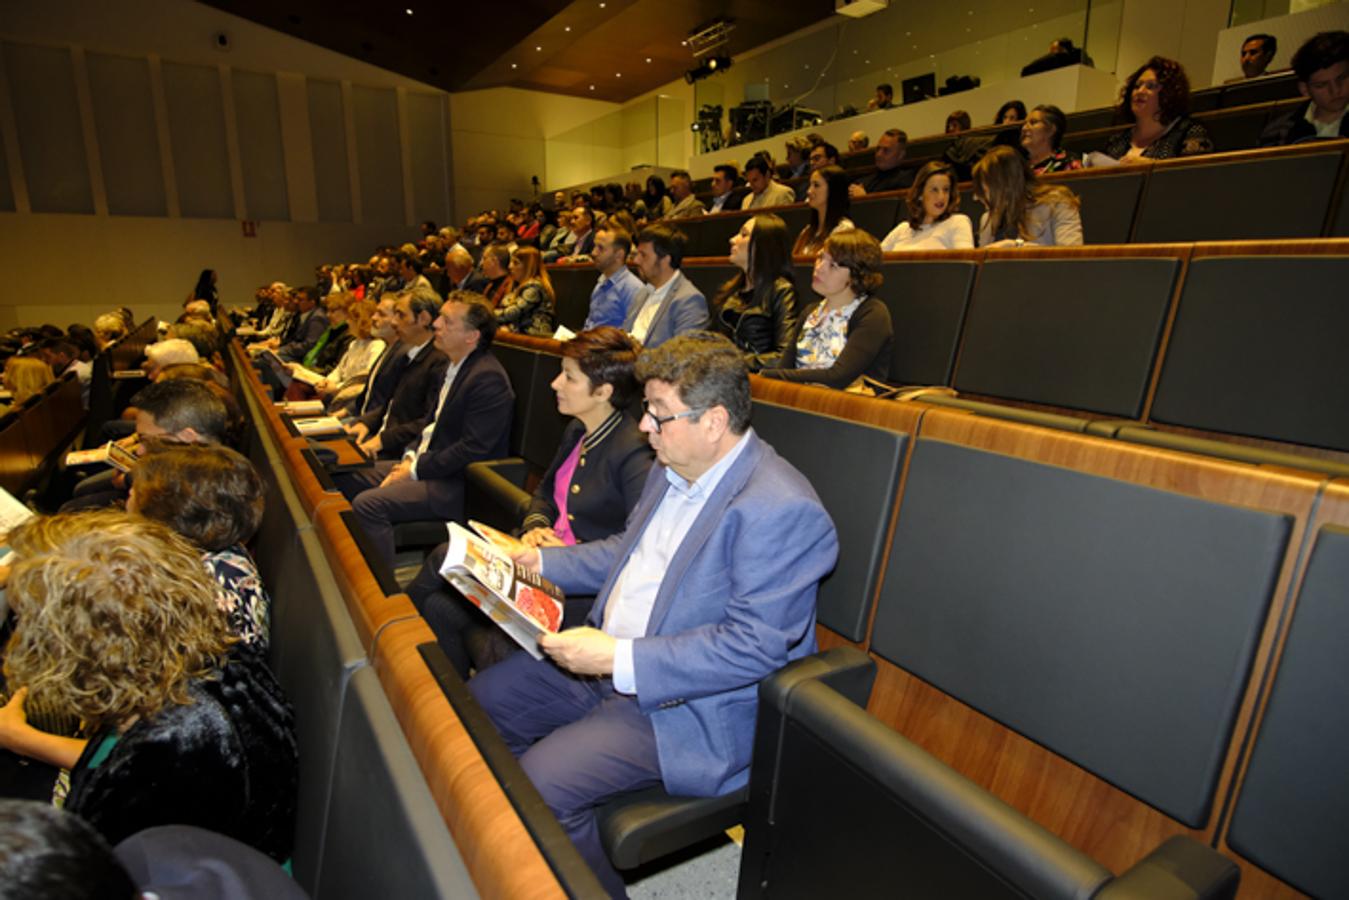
[(683, 43), (538, 48), (514, 66), (618, 74), (602, 5), (592, 87), (866, 62), (568, 28), (409, 12), (648, 59)]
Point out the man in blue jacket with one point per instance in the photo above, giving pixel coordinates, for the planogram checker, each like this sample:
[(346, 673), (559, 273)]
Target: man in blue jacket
[(711, 588), (669, 304)]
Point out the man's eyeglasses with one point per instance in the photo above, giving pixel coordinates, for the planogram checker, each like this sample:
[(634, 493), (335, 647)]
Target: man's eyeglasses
[(661, 421)]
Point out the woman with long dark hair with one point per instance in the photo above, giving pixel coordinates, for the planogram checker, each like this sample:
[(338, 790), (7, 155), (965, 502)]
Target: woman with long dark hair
[(206, 289), (757, 308), (827, 197)]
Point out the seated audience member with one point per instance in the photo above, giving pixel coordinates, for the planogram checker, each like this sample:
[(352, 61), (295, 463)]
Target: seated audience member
[(213, 497), (1156, 99), (798, 156), (858, 140), (496, 263), (327, 351), (957, 122), (563, 240), (821, 155), (889, 174), (756, 309), (385, 370), (505, 237), (1021, 210), (829, 202), (658, 203), (583, 229), (531, 306), (26, 376), (205, 289), (308, 326), (763, 190), (459, 271), (717, 573), (724, 178), (64, 356), (387, 430), (170, 411), (686, 205), (469, 420), (931, 221), (1042, 139), (345, 380), (884, 99), (172, 352), (669, 304), (117, 623), (1061, 53), (1257, 52), (848, 334), (586, 494), (108, 328), (617, 285), (1010, 113), (1321, 66)]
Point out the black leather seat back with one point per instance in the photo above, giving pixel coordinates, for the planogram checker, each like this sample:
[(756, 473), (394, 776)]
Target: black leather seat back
[(546, 424), (1260, 90), (1109, 204), (1291, 816), (856, 810), (519, 364), (1256, 350), (1112, 623), (838, 457), (385, 836), (711, 236), (928, 301), (1238, 128), (572, 285), (876, 216), (1074, 333), (709, 278), (1256, 199)]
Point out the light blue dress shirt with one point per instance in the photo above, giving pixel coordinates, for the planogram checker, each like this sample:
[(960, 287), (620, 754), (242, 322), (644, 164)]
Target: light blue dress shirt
[(610, 298)]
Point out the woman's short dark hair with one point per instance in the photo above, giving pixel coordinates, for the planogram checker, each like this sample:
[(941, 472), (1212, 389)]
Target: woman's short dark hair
[(1321, 52), (607, 355), (1057, 120), (914, 203), (210, 495), (1173, 95), (1011, 104), (859, 253)]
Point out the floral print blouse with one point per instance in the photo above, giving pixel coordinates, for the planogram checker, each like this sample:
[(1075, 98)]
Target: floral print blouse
[(823, 336)]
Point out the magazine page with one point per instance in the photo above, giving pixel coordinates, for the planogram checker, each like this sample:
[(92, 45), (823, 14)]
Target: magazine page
[(93, 456), (499, 539), (506, 592), (318, 425), (305, 376)]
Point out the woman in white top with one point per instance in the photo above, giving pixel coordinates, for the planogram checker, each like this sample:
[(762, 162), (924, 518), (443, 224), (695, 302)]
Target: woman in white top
[(827, 197), (348, 376), (932, 222)]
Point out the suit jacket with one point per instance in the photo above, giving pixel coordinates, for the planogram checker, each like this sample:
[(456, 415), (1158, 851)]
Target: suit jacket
[(306, 334), (615, 462), (474, 424), (684, 309), (687, 208), (736, 604), (412, 404), (383, 378)]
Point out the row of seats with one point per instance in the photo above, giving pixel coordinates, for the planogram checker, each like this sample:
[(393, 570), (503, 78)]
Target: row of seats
[(1265, 194), (396, 796), (1259, 92), (116, 377), (1171, 345), (35, 435), (1085, 628)]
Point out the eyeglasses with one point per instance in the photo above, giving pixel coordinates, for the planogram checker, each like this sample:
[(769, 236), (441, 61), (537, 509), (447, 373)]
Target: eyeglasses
[(661, 421)]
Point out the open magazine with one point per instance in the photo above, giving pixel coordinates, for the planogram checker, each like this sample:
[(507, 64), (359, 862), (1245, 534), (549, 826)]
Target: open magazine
[(121, 455), (520, 602)]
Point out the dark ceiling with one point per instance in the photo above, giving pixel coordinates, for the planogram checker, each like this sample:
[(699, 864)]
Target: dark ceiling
[(605, 49)]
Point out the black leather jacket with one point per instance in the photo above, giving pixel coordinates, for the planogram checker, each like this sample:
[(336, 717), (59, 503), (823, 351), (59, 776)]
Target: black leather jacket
[(761, 333)]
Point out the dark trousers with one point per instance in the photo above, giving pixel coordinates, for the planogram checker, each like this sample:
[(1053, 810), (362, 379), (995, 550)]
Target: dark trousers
[(578, 740), (379, 509)]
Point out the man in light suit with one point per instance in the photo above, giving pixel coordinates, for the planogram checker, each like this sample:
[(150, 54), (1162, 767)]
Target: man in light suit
[(470, 421), (669, 305), (710, 588)]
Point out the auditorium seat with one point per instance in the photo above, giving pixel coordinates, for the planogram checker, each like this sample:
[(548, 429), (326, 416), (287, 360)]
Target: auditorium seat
[(879, 214), (1067, 328), (1255, 349), (1291, 814), (1262, 194), (1109, 201), (928, 295), (1073, 623), (572, 285), (384, 835), (846, 807), (372, 597)]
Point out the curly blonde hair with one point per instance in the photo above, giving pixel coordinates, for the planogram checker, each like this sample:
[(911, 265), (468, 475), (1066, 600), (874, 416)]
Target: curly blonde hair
[(116, 616)]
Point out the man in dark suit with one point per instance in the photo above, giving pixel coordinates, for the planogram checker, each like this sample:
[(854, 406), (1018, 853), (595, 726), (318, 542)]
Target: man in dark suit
[(460, 273), (470, 421), (386, 431), (309, 324)]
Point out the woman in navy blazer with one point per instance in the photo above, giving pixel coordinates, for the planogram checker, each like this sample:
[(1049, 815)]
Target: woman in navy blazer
[(591, 485)]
